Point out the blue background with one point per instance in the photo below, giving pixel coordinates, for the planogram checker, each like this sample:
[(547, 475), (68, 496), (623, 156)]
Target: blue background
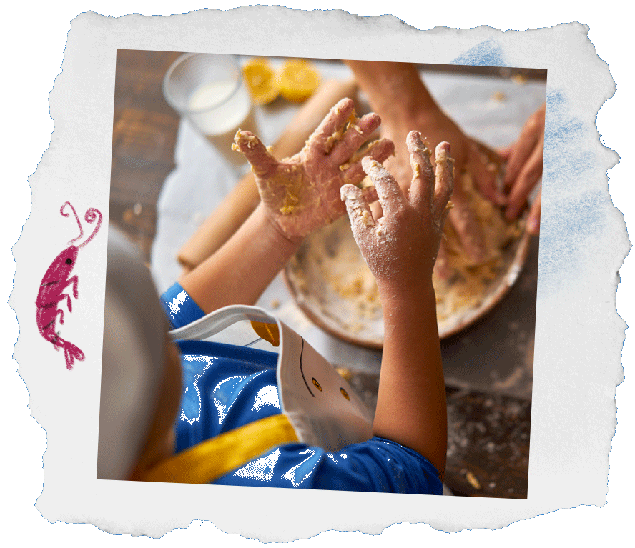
[(34, 38)]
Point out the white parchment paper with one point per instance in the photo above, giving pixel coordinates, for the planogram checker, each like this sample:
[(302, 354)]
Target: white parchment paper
[(578, 337)]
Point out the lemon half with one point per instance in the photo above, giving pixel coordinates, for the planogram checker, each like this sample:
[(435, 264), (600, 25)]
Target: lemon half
[(261, 81), (297, 80)]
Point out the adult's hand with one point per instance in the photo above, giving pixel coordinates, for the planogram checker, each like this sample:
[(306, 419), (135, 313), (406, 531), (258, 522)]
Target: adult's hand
[(524, 169)]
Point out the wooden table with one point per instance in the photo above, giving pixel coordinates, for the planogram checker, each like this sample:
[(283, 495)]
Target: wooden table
[(489, 428), (143, 141)]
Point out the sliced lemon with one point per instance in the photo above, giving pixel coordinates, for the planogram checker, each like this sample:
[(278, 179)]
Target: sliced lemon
[(298, 79), (261, 81)]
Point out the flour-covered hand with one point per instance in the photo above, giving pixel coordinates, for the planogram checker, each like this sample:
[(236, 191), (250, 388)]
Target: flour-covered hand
[(302, 193), (400, 248)]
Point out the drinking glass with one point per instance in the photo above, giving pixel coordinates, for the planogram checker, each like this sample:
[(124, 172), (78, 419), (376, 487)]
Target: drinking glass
[(209, 90)]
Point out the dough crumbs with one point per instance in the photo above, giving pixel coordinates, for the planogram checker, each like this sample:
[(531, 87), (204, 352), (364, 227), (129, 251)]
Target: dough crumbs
[(337, 135), (251, 141), (473, 481), (367, 182), (367, 218), (332, 139), (344, 373), (519, 79), (291, 201)]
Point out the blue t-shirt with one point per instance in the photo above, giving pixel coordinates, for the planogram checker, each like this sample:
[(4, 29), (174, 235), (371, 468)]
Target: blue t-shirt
[(226, 387)]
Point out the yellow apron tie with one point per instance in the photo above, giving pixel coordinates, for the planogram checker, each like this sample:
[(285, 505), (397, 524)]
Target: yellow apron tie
[(218, 456)]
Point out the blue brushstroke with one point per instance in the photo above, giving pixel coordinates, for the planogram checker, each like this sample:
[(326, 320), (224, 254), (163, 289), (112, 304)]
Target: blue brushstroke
[(487, 53), (568, 221)]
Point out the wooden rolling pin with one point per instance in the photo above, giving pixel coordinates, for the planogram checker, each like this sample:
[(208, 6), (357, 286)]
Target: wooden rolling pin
[(243, 199)]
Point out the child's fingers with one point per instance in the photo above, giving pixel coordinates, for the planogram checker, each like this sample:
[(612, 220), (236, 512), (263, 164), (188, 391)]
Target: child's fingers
[(444, 180), (421, 187), (379, 150), (390, 196), (320, 140), (358, 211), (354, 137), (257, 155)]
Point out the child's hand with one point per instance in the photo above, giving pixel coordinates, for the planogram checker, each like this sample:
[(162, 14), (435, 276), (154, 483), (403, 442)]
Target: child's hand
[(401, 247), (302, 193)]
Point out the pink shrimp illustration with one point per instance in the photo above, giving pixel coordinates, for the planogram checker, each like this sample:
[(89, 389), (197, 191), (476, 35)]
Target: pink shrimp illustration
[(55, 280)]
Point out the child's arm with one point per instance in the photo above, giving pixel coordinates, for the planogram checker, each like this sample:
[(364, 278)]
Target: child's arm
[(298, 195), (400, 249)]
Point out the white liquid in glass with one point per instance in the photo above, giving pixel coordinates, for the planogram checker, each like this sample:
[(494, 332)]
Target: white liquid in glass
[(219, 110)]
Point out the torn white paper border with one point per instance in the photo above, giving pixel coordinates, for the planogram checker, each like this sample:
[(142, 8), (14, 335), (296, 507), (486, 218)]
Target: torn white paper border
[(558, 482)]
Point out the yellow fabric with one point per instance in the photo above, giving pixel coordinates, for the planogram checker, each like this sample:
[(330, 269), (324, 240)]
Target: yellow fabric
[(214, 458), (268, 331)]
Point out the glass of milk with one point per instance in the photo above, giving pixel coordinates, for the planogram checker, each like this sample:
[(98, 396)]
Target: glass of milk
[(209, 91)]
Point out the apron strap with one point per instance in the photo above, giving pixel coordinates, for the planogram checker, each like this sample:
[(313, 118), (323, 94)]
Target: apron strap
[(218, 456)]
